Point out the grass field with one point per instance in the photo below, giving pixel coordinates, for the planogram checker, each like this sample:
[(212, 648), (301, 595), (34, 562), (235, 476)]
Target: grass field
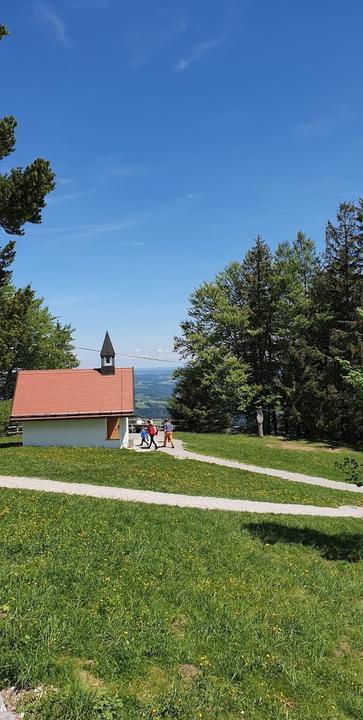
[(157, 471), (128, 612), (310, 458)]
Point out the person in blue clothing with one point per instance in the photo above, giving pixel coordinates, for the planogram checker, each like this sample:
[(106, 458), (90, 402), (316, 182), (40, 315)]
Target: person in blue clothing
[(144, 438)]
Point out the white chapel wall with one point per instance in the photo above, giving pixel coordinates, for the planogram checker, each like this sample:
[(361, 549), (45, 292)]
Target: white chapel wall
[(72, 433), (124, 432)]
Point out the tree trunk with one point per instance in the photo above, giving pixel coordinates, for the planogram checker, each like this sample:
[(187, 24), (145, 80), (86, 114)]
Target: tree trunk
[(259, 418), (274, 422), (286, 425)]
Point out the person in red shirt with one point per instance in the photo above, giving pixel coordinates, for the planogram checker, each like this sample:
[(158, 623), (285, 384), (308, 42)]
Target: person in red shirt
[(152, 430)]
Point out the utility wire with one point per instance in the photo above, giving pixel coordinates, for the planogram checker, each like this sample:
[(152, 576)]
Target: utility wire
[(138, 357)]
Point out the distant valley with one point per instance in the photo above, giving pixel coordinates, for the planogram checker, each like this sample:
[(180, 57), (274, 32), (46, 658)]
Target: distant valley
[(153, 389)]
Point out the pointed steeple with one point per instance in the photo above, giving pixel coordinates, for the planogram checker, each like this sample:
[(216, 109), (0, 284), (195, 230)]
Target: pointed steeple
[(107, 347), (107, 357)]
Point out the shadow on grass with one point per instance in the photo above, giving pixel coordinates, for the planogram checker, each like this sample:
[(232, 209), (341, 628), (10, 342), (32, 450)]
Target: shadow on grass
[(10, 444), (330, 547)]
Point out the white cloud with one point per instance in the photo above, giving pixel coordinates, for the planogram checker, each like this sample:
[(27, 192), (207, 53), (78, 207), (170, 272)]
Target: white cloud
[(65, 301), (70, 196), (61, 234), (56, 23), (190, 196), (65, 181), (149, 38), (129, 171), (106, 228), (320, 126), (92, 228), (143, 283), (89, 4), (197, 53)]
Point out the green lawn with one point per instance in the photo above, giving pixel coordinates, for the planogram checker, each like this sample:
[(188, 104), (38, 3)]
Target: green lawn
[(157, 471), (310, 458), (133, 612)]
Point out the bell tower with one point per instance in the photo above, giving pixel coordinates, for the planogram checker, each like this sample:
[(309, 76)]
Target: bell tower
[(107, 357)]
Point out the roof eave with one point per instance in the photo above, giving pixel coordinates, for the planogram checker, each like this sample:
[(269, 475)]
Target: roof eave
[(78, 416)]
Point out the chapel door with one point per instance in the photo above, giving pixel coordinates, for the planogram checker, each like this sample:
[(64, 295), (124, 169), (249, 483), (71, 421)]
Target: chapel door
[(113, 428)]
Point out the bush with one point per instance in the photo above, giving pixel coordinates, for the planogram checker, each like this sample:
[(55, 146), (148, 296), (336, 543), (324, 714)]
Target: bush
[(5, 408), (352, 470)]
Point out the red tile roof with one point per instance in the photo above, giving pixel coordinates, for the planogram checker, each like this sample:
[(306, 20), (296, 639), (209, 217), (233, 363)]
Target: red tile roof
[(41, 394)]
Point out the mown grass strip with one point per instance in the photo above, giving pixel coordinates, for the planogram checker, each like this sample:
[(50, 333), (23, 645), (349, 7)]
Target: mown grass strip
[(310, 458), (155, 471), (177, 613)]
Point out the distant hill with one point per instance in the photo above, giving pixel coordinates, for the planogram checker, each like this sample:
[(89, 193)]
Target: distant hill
[(153, 389)]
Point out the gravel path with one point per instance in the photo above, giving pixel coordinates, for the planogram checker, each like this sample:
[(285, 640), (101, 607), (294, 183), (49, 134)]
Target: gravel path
[(4, 713), (182, 454), (187, 501)]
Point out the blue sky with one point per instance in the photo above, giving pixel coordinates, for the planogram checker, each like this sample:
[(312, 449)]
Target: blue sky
[(178, 131)]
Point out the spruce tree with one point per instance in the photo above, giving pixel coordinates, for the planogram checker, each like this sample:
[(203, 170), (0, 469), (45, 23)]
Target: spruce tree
[(294, 269), (257, 277), (338, 329), (344, 263)]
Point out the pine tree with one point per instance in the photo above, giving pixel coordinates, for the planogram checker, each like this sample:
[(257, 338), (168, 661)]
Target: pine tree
[(22, 191), (7, 257), (30, 337)]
